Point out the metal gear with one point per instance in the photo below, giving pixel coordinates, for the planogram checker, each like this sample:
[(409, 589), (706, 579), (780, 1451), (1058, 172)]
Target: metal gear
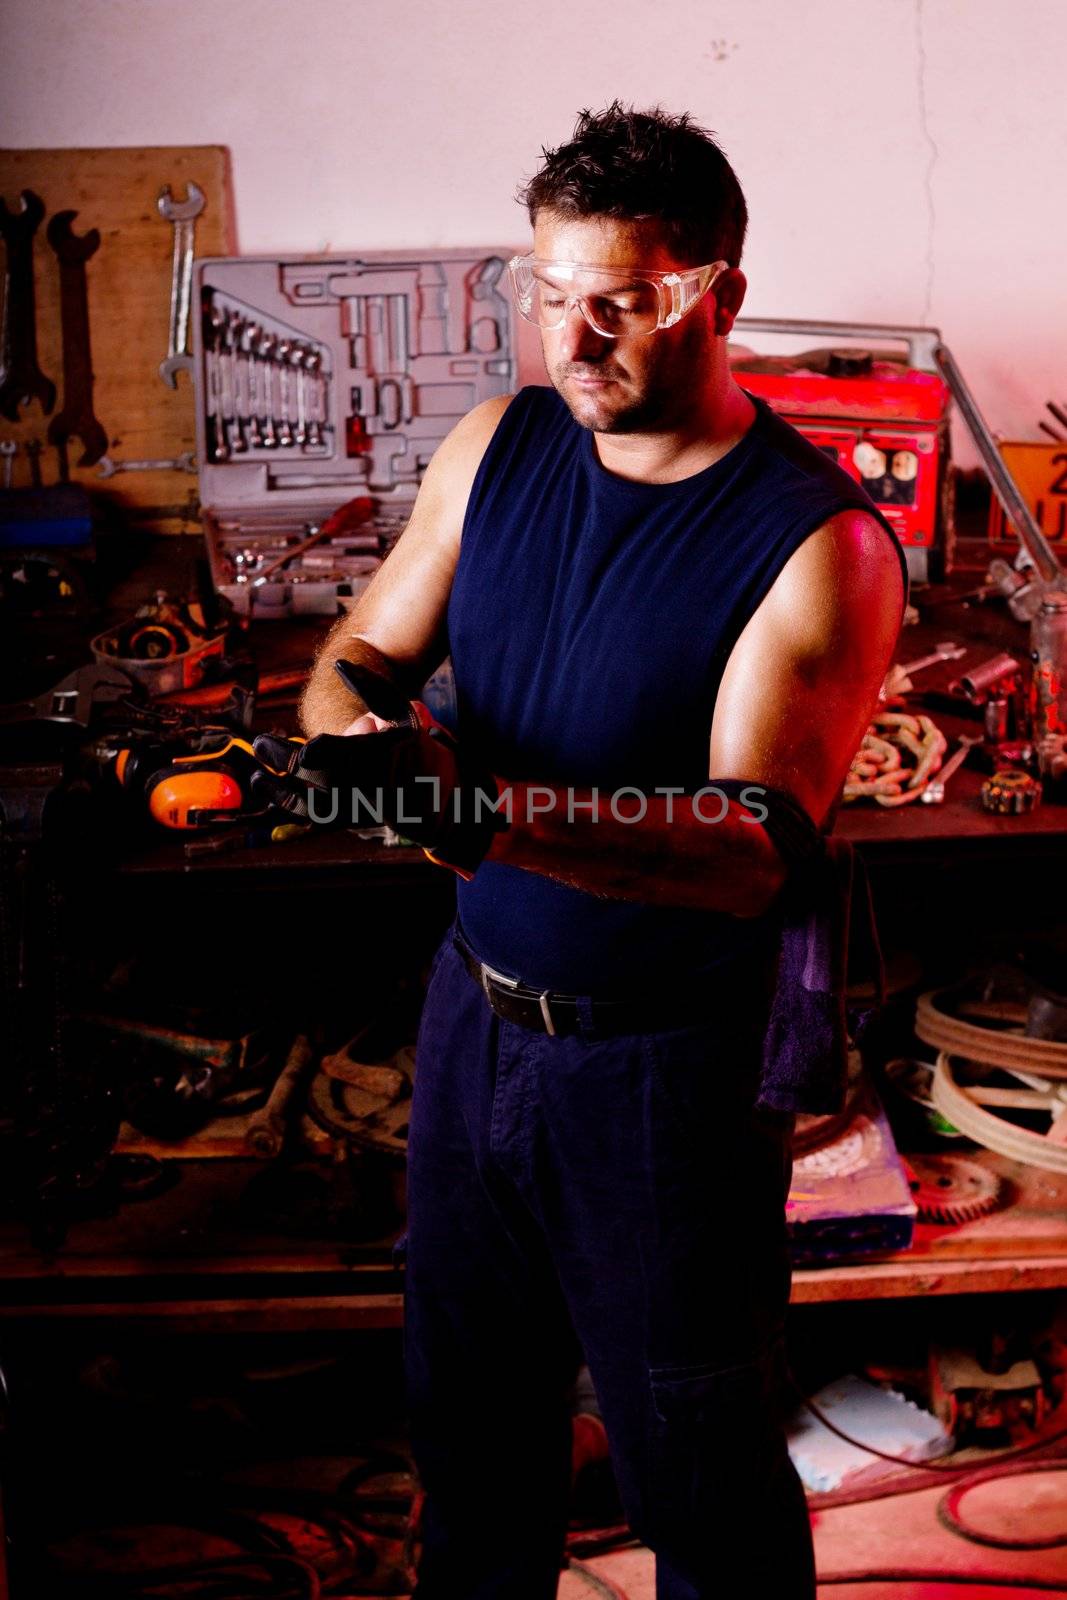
[(1011, 792), (950, 1189)]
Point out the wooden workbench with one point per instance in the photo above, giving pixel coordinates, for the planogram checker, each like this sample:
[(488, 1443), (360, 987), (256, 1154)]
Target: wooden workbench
[(945, 877), (187, 1257)]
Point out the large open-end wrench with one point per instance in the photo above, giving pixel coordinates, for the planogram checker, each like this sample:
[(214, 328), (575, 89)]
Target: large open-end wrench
[(183, 215), (21, 379), (74, 698), (76, 417)]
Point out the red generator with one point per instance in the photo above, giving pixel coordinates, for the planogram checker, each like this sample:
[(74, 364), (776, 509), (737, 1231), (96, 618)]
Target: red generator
[(880, 415)]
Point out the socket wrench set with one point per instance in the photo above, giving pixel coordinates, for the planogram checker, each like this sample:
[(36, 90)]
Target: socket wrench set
[(325, 380)]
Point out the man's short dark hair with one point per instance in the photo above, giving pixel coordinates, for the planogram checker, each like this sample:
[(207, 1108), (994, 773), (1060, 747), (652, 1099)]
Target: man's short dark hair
[(646, 166)]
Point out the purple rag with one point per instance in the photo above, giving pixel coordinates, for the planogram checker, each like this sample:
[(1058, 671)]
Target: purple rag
[(828, 938)]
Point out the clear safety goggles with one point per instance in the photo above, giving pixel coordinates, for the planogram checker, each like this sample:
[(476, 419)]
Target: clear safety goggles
[(615, 302)]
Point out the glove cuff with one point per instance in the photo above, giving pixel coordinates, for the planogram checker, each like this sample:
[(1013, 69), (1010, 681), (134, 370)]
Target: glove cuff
[(470, 821)]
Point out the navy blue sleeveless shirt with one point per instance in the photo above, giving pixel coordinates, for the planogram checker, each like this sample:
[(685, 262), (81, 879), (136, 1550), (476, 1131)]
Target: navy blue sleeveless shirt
[(589, 624)]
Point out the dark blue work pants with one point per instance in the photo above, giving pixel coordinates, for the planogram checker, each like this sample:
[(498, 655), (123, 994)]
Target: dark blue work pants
[(617, 1197)]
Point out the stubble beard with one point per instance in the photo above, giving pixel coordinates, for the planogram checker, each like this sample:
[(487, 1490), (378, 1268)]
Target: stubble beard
[(644, 413), (657, 405)]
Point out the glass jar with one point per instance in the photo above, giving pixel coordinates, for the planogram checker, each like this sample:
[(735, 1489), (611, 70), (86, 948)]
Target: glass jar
[(1048, 652)]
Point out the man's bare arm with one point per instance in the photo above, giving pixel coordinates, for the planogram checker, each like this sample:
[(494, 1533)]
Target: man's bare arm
[(670, 857), (398, 624), (802, 682), (793, 705)]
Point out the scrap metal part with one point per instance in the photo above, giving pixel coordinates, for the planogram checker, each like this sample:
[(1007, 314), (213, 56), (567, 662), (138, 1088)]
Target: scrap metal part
[(951, 1189), (368, 1104), (998, 1042), (1011, 792), (962, 1106), (878, 769)]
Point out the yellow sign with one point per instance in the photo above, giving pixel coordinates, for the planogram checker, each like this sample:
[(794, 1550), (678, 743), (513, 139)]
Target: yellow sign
[(1040, 470)]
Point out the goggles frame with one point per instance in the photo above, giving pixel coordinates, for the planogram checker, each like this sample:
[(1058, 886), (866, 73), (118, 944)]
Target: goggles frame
[(676, 292)]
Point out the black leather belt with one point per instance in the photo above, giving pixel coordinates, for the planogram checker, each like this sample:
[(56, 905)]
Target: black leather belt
[(545, 1011)]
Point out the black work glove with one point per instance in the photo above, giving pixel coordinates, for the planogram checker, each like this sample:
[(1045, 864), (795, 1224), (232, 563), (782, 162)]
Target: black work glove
[(411, 775)]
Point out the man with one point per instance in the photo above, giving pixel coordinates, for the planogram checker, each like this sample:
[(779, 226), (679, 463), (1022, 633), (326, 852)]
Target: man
[(651, 589)]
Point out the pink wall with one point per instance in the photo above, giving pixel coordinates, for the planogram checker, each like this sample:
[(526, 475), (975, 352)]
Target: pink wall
[(904, 160)]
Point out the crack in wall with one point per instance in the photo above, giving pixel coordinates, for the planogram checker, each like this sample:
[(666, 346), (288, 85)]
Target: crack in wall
[(932, 156)]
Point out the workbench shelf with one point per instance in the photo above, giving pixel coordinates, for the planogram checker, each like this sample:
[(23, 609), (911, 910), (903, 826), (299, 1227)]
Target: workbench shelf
[(334, 915)]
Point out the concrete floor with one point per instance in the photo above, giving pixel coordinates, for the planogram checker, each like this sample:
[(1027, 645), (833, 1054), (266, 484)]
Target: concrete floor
[(903, 1533)]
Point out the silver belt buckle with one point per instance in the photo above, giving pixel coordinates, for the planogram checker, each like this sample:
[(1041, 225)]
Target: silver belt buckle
[(488, 972), (547, 1014)]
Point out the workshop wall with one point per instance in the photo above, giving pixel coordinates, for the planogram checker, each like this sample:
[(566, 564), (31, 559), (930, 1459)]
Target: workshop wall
[(903, 159)]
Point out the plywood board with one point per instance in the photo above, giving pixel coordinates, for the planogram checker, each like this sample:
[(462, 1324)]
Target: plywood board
[(129, 277)]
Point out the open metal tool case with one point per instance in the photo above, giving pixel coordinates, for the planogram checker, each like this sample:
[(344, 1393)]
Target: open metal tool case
[(326, 380)]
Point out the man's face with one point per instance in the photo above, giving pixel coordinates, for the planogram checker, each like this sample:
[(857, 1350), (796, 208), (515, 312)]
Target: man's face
[(637, 384)]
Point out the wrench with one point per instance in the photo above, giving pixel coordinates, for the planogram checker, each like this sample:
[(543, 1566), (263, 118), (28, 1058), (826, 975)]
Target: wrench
[(73, 699), (76, 417), (214, 328), (250, 333), (20, 376), (934, 793), (234, 327), (33, 448), (182, 463), (9, 450), (948, 650), (315, 389), (183, 215), (267, 344), (297, 358), (282, 354)]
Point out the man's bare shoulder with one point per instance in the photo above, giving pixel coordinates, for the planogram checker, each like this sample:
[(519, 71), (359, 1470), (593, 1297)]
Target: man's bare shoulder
[(842, 585), (803, 678), (441, 502), (468, 440), (486, 415)]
